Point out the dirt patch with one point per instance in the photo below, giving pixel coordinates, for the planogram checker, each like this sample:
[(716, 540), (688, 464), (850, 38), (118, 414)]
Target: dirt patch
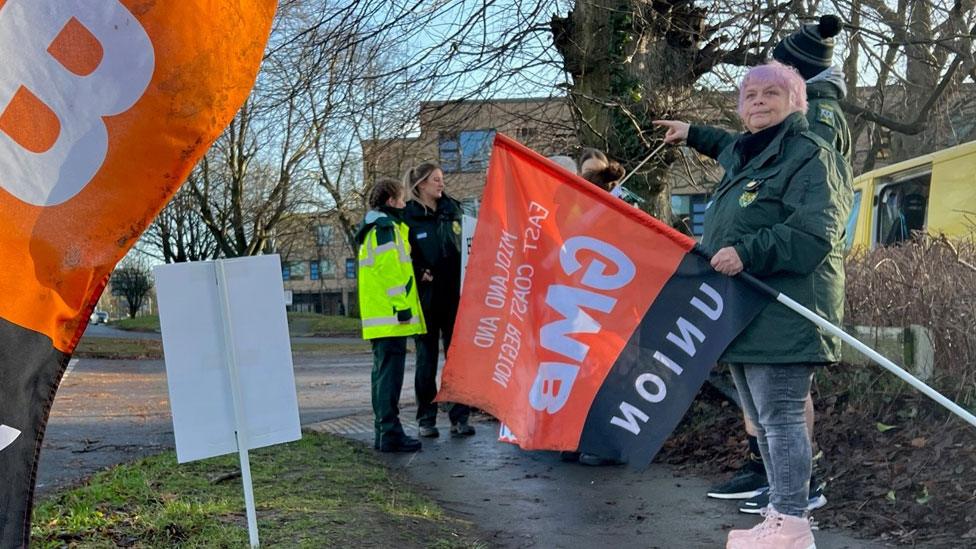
[(906, 477)]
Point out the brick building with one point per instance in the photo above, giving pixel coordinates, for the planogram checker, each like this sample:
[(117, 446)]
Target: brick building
[(317, 265), (458, 135)]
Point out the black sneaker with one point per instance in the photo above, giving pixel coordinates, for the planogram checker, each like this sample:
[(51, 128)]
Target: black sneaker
[(402, 444), (747, 483), (594, 460), (569, 457), (755, 505)]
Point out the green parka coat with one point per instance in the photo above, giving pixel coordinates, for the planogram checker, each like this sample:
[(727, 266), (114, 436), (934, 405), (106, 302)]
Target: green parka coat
[(784, 212), (826, 118)]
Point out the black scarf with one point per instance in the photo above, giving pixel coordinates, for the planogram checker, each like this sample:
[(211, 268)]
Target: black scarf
[(752, 144)]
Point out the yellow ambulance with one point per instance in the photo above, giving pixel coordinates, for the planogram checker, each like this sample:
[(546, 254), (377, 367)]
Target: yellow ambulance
[(934, 193)]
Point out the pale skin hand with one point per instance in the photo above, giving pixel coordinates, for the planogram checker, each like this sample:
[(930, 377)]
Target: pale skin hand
[(677, 131), (727, 262)]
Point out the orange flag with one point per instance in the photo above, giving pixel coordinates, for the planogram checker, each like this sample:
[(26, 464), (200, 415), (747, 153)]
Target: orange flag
[(584, 323), (105, 107)]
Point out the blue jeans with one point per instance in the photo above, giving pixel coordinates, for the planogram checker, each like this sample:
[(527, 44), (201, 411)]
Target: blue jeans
[(773, 397)]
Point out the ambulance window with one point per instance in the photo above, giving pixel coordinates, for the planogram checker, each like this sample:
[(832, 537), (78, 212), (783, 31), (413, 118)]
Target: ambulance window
[(852, 220), (902, 205)]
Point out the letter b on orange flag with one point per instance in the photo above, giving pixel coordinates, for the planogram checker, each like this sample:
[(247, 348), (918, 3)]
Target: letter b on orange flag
[(105, 107)]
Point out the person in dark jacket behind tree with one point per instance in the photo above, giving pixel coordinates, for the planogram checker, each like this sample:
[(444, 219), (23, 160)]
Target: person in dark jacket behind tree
[(434, 219), (779, 213), (810, 51)]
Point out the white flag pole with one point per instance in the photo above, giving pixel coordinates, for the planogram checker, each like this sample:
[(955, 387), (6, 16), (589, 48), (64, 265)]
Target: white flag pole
[(642, 162), (239, 418), (864, 349)]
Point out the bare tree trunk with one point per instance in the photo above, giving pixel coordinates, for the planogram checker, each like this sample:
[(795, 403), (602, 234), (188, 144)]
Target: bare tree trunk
[(631, 62)]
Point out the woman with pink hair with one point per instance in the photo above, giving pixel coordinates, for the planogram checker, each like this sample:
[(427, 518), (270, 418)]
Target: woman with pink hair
[(779, 214)]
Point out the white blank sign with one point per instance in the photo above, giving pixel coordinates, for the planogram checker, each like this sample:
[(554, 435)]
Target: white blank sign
[(191, 317)]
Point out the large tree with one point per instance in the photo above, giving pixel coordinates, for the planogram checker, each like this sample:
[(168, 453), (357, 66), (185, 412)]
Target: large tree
[(132, 282), (178, 233), (632, 61), (333, 73), (910, 62)]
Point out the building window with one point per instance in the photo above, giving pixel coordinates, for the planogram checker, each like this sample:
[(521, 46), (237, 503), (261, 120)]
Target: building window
[(465, 151), (450, 157), (524, 134), (323, 235), (285, 271), (296, 270), (327, 268), (691, 209), (313, 270), (351, 267)]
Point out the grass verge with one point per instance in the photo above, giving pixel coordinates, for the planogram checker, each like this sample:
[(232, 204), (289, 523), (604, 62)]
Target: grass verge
[(311, 324), (148, 323), (321, 491), (299, 324), (302, 348)]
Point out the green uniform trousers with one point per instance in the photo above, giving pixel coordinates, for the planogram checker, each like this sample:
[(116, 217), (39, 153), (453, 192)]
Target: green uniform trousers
[(389, 360)]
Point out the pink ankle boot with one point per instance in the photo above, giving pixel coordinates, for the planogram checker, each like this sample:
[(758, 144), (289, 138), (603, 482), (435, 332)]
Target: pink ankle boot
[(778, 531)]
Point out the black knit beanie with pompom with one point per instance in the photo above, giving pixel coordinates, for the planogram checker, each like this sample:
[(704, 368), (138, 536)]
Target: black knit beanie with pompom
[(810, 49)]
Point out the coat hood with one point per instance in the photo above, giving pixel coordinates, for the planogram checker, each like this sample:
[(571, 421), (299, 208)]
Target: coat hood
[(373, 217), (834, 76)]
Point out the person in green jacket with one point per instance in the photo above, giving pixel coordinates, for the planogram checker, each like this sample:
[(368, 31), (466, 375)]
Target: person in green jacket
[(435, 233), (778, 213), (810, 51), (389, 307)]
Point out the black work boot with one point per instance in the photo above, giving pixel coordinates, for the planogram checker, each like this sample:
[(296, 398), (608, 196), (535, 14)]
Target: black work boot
[(400, 444)]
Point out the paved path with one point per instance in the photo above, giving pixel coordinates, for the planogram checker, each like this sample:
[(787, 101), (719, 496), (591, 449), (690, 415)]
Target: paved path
[(109, 412), (532, 499)]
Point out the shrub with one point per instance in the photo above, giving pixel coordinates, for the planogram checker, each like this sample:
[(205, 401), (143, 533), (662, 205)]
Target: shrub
[(926, 281)]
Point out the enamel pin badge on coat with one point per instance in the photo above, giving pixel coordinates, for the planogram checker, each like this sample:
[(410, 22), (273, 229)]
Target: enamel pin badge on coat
[(750, 193)]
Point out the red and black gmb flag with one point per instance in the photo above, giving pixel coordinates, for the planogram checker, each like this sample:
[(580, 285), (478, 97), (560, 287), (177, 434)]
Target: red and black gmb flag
[(105, 107), (585, 323)]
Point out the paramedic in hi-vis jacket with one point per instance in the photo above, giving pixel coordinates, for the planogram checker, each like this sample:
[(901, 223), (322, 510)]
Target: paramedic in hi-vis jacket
[(389, 307)]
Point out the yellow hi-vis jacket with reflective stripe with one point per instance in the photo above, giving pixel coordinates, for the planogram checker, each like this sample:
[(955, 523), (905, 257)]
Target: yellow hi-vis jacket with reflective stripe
[(388, 301)]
